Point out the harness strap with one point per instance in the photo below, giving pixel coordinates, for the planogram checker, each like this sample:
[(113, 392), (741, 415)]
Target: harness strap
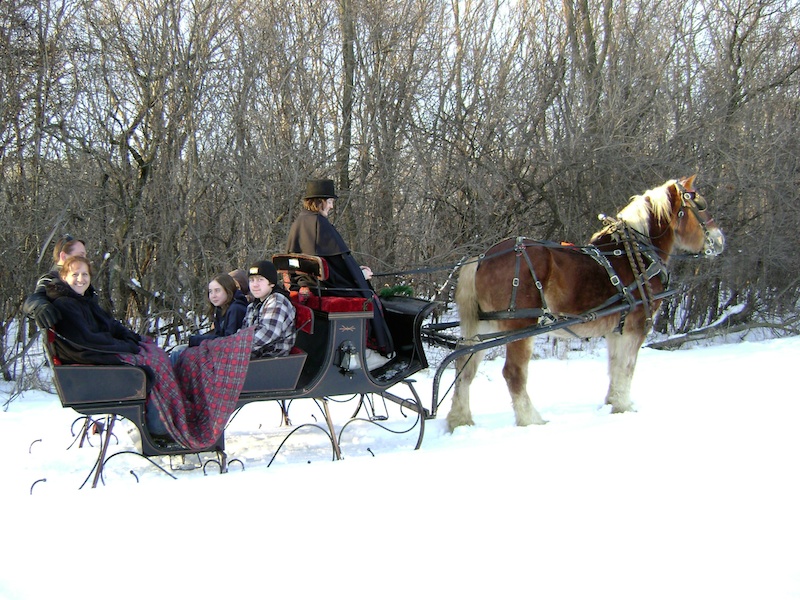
[(635, 251), (622, 291), (512, 312), (515, 281), (638, 271), (520, 250), (522, 313)]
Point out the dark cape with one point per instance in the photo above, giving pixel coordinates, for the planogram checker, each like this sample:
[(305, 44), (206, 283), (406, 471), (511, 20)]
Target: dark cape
[(94, 337), (312, 233)]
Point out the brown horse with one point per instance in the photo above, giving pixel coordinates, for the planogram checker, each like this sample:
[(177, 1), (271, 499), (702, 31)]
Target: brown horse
[(520, 283)]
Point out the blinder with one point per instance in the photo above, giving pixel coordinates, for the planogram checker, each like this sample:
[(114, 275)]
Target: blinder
[(697, 205), (698, 201), (690, 196), (690, 200)]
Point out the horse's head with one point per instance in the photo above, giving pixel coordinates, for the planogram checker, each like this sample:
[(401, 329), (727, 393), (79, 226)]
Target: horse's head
[(694, 228), (673, 215)]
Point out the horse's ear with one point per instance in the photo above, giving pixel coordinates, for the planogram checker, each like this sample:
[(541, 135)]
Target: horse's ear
[(688, 183)]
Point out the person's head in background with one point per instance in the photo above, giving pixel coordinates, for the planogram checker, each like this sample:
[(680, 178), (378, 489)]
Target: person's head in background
[(240, 277), (68, 246), (320, 194)]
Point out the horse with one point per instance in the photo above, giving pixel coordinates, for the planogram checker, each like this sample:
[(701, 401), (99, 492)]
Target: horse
[(521, 283)]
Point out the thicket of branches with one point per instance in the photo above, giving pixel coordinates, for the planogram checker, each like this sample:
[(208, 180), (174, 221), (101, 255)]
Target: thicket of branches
[(175, 137)]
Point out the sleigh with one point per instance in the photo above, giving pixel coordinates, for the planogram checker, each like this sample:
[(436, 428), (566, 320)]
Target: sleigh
[(614, 285), (328, 363)]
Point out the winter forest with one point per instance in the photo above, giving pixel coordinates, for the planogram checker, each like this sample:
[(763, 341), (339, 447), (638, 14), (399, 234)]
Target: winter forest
[(176, 136)]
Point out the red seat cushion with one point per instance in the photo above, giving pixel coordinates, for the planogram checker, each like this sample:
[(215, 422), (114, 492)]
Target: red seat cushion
[(332, 304), (303, 318), (50, 341)]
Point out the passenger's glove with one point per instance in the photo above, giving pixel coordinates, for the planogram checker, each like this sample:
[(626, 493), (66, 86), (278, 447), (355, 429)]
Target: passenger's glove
[(46, 315)]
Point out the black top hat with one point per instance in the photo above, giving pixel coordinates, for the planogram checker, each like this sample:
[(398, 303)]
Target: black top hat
[(320, 188)]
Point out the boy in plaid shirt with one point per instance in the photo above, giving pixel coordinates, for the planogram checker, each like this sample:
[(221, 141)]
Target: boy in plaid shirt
[(271, 313)]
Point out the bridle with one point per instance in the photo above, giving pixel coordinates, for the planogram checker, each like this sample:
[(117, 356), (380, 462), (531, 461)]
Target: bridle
[(698, 207)]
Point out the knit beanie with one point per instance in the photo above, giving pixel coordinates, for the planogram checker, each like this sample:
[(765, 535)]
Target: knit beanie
[(264, 268)]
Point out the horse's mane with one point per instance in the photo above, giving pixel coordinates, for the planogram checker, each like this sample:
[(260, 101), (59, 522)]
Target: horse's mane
[(644, 209), (640, 211)]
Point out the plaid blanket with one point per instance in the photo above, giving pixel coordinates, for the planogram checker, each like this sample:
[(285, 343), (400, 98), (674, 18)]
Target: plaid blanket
[(196, 399)]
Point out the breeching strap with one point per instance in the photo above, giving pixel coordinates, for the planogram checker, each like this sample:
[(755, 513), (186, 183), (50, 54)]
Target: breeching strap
[(512, 312)]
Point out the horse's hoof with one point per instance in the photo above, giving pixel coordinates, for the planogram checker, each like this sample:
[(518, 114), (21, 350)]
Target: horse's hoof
[(530, 416), (533, 422), (452, 424)]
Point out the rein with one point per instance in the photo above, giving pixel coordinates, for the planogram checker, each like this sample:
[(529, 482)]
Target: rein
[(453, 267)]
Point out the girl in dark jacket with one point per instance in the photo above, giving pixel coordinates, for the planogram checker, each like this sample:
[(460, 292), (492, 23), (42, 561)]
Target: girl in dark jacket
[(228, 307)]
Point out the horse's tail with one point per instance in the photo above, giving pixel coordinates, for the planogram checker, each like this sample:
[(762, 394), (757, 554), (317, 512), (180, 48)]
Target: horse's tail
[(467, 299)]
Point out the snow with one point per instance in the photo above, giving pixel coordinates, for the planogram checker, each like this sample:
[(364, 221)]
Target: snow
[(693, 496)]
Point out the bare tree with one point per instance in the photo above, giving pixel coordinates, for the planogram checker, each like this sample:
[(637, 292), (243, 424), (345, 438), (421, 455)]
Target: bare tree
[(175, 136)]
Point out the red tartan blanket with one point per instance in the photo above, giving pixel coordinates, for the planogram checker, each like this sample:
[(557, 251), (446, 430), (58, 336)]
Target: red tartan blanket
[(196, 399)]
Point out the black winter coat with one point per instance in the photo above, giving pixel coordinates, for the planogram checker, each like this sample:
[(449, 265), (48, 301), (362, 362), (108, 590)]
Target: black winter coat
[(312, 233), (226, 324), (39, 294), (94, 337)]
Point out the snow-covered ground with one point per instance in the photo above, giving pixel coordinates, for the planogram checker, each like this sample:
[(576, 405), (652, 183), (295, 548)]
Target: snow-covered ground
[(695, 496)]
